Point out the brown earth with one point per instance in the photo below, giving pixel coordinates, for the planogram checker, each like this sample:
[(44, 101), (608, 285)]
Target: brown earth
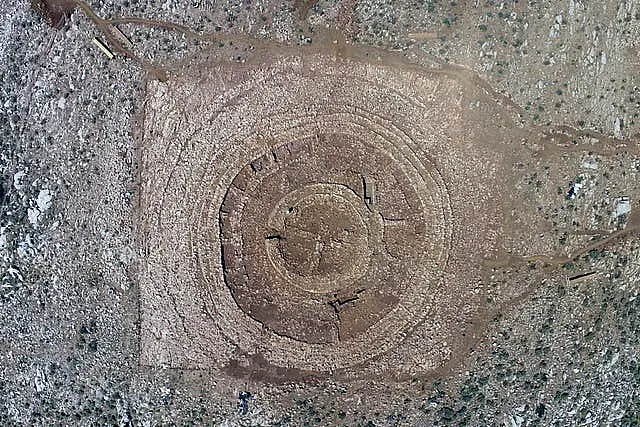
[(55, 12)]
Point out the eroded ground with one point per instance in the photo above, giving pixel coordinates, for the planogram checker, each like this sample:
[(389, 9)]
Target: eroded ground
[(169, 256)]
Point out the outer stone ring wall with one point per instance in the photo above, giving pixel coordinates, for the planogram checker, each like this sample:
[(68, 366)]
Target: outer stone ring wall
[(301, 216)]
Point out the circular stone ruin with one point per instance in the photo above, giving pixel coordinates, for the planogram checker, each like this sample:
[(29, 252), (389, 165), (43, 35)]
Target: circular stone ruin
[(322, 237), (311, 214)]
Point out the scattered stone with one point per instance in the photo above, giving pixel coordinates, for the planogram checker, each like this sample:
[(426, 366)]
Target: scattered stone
[(623, 206)]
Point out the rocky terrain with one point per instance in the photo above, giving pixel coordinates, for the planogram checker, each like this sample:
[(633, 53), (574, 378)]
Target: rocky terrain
[(559, 343)]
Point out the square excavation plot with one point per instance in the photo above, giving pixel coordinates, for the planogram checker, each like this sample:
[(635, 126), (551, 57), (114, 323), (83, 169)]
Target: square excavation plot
[(314, 216)]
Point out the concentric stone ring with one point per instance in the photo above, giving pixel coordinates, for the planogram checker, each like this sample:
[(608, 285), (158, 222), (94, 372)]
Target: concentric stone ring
[(314, 215), (322, 236)]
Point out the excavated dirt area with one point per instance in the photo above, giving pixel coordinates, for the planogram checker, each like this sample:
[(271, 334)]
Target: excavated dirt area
[(331, 215), (319, 214)]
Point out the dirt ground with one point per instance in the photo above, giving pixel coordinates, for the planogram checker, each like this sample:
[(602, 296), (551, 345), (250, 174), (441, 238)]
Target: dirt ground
[(166, 253)]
